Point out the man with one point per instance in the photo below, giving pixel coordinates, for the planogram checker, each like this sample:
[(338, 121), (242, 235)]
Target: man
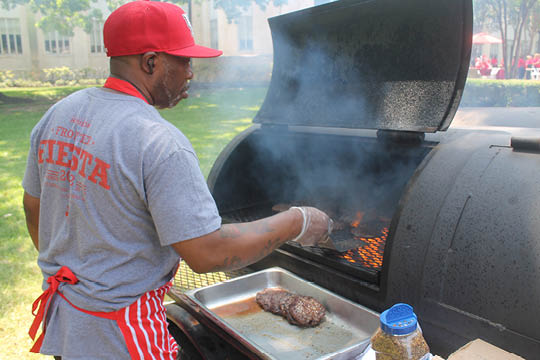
[(114, 196), (485, 66), (521, 67)]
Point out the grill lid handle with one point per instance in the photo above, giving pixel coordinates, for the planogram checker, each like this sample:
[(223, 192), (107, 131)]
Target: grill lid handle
[(531, 144)]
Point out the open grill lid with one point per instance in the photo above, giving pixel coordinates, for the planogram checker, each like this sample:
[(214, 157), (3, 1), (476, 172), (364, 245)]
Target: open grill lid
[(370, 64)]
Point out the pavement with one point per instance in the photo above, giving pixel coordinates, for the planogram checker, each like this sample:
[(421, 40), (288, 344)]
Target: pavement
[(488, 117)]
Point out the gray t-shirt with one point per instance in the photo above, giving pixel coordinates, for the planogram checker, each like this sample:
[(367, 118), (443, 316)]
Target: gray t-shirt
[(117, 184)]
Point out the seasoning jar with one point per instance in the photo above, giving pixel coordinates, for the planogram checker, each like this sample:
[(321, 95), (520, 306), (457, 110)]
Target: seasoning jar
[(399, 337)]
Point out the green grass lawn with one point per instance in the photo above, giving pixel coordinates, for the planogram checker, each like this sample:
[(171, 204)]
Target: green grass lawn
[(209, 118)]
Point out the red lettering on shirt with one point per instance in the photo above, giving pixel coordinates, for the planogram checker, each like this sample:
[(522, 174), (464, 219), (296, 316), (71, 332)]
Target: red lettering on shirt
[(41, 151), (74, 135), (51, 151), (86, 158), (62, 153), (76, 159), (80, 122), (85, 139), (100, 170)]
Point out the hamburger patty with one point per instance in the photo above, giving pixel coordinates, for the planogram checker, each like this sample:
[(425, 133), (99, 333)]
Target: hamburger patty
[(303, 311), (270, 299)]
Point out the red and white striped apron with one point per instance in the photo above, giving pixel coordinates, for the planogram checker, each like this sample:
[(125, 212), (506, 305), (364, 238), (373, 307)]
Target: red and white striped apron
[(143, 323)]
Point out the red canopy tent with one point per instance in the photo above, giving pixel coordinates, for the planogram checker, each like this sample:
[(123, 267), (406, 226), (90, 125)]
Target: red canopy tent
[(483, 38)]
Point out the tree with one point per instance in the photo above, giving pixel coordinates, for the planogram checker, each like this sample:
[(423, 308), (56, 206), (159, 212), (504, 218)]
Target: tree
[(483, 16), (511, 17), (64, 16), (483, 21), (235, 8), (61, 16), (532, 28)]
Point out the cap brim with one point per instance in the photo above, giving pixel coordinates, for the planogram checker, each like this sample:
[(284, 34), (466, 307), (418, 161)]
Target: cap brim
[(196, 51)]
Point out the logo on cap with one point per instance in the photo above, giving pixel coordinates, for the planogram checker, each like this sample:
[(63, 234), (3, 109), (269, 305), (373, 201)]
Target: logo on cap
[(186, 19)]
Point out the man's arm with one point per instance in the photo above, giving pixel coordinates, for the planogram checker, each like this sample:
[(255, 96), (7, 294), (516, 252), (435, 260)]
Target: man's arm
[(234, 246), (31, 211)]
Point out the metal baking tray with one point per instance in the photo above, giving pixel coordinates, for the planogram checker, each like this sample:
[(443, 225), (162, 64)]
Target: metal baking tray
[(344, 333)]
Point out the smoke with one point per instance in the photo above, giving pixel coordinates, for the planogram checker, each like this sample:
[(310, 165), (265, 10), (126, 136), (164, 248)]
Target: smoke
[(340, 174), (335, 81)]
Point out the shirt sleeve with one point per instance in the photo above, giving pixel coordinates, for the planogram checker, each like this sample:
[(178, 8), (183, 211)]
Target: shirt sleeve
[(31, 182), (179, 200)]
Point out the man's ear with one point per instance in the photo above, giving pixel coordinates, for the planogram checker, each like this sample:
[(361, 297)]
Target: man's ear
[(148, 62)]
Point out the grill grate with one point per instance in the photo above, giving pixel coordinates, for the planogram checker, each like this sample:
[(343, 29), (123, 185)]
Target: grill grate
[(186, 279), (368, 255)]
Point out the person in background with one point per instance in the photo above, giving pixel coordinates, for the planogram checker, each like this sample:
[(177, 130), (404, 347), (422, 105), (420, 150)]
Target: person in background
[(477, 62), (114, 197), (536, 60), (485, 66), (494, 61), (521, 68), (501, 74), (529, 64)]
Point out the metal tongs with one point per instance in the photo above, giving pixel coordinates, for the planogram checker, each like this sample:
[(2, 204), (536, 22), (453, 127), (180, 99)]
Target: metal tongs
[(327, 241), (342, 245)]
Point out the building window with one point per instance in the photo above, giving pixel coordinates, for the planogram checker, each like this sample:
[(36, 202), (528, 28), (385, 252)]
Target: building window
[(96, 37), (57, 44), (245, 33), (10, 37), (214, 43)]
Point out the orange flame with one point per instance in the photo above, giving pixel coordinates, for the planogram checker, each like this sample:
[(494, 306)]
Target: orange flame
[(358, 219)]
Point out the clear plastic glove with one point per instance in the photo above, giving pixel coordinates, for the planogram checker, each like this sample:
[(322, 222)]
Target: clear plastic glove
[(316, 228)]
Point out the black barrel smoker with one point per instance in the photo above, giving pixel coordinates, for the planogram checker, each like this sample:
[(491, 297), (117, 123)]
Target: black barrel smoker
[(355, 122)]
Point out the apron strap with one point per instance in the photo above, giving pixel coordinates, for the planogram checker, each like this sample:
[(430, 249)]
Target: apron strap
[(43, 301), (143, 324)]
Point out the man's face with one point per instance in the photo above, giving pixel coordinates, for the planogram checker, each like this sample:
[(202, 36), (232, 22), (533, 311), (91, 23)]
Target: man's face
[(172, 83)]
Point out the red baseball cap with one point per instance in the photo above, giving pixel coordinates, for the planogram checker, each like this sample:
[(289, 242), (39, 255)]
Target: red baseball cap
[(141, 26)]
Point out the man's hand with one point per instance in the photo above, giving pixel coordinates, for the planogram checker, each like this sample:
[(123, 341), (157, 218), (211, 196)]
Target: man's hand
[(316, 228)]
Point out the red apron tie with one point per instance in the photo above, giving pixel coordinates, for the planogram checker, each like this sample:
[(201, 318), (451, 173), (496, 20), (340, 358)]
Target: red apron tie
[(43, 302), (143, 320)]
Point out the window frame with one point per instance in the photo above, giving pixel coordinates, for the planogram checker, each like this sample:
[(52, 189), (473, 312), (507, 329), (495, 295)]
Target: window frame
[(97, 46), (56, 44), (245, 33), (10, 37)]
